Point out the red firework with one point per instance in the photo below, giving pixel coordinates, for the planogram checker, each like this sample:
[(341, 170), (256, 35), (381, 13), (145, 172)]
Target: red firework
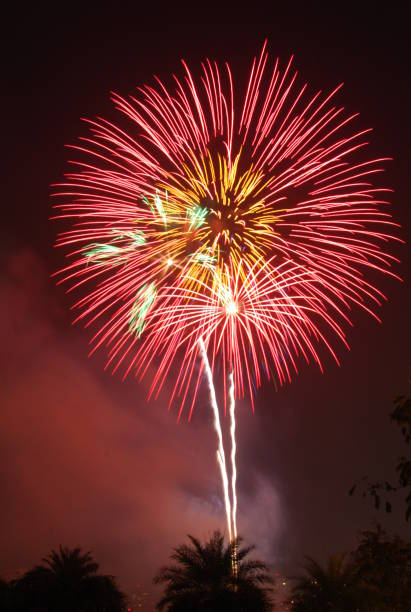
[(249, 225)]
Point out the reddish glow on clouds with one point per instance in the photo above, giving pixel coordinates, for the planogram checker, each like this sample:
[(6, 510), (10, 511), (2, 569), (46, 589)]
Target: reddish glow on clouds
[(85, 459)]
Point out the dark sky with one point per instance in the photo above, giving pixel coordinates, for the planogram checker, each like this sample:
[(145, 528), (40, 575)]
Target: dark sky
[(84, 459)]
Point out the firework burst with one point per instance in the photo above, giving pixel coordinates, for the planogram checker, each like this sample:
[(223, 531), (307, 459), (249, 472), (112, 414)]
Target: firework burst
[(248, 223)]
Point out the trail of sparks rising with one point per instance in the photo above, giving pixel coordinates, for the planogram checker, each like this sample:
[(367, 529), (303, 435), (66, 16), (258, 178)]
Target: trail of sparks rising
[(233, 456), (217, 425), (233, 472)]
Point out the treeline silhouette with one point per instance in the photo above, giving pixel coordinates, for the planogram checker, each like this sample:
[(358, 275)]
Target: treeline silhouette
[(218, 577), (375, 577)]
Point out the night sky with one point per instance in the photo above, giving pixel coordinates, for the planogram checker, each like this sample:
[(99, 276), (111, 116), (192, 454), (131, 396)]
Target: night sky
[(84, 459)]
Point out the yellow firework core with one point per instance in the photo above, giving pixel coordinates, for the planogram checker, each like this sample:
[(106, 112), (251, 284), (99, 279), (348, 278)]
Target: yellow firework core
[(210, 223), (222, 214)]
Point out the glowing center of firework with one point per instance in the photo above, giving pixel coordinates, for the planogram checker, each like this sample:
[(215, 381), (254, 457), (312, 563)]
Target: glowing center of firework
[(169, 262), (231, 308)]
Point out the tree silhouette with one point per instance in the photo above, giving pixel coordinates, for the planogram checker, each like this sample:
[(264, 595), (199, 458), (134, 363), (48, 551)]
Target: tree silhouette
[(383, 563), (383, 490), (333, 587), (5, 596), (376, 577), (202, 578), (67, 581)]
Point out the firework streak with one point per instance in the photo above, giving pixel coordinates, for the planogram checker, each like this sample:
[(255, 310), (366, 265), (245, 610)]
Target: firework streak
[(233, 456), (251, 224), (231, 519)]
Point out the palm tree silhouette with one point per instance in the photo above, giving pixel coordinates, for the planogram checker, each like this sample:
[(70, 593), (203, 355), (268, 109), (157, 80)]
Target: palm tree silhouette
[(333, 587), (67, 581), (202, 578)]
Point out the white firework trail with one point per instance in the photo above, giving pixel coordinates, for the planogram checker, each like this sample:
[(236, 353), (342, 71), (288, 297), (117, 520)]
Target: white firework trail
[(233, 453), (233, 473), (217, 425)]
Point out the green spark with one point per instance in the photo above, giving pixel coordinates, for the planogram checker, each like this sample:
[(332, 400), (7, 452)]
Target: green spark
[(160, 209), (145, 298), (157, 207), (196, 215), (204, 259), (101, 252)]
